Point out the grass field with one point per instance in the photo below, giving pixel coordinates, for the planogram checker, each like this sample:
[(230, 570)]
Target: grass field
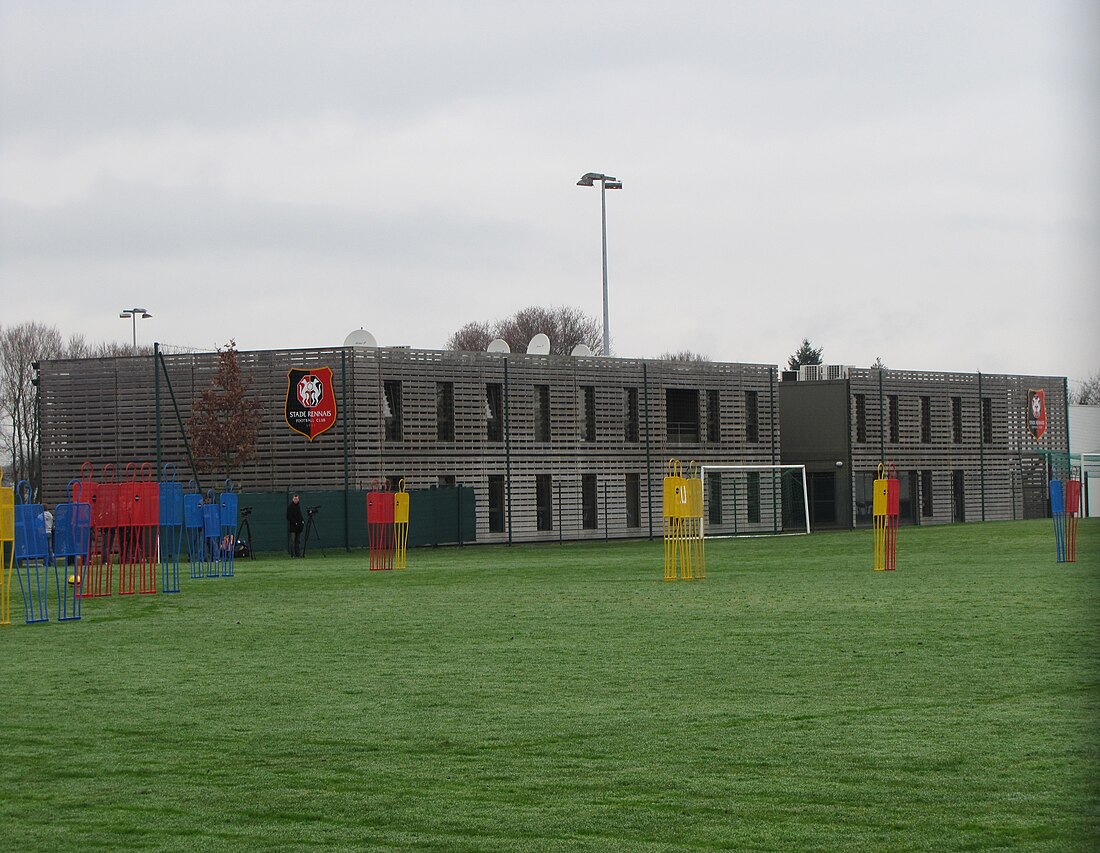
[(565, 698)]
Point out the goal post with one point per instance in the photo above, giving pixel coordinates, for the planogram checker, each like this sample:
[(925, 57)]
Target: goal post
[(754, 500)]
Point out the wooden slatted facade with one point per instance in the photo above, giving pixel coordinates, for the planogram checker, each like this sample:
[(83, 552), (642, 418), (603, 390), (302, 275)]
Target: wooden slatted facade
[(105, 411), (959, 441), (994, 459)]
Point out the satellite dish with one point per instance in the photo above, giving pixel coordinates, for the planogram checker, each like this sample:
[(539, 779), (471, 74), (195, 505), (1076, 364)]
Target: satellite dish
[(540, 345), (581, 351), (360, 338), (498, 345)]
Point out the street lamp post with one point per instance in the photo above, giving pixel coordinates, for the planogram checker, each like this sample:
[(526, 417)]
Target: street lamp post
[(133, 314), (607, 182)]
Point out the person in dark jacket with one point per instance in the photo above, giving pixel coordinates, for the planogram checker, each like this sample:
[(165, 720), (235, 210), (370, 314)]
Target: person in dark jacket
[(294, 525)]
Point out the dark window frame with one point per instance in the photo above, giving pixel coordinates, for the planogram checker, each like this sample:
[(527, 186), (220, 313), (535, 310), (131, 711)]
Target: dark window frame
[(682, 415), (631, 432), (714, 498), (444, 411), (633, 500), (544, 502), (543, 433), (494, 411), (590, 513), (391, 400), (588, 413), (752, 417), (496, 503), (714, 417), (752, 497)]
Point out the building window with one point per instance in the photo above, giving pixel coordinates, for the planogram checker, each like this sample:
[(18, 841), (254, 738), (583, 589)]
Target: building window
[(589, 518), (926, 494), (445, 411), (682, 407), (957, 420), (926, 420), (630, 414), (496, 503), (987, 420), (753, 500), (588, 413), (391, 410), (752, 422), (895, 424), (714, 422), (633, 500), (494, 411), (544, 502), (542, 413), (861, 418), (714, 498)]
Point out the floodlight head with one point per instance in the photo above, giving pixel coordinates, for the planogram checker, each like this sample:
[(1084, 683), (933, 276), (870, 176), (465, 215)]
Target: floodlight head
[(613, 185), (125, 315), (145, 315), (585, 182)]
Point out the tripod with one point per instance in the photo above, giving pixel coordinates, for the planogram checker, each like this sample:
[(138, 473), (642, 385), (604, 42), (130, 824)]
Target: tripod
[(312, 531), (246, 529)]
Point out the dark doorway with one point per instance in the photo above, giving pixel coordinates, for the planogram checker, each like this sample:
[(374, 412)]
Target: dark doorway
[(958, 496), (822, 488)]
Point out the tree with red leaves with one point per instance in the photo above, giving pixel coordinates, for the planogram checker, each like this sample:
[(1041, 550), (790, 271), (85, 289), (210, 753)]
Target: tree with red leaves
[(225, 422)]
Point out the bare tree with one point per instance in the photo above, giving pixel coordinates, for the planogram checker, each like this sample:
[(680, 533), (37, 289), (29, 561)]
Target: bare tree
[(225, 422), (806, 353), (564, 325), (1088, 394), (879, 363), (684, 355), (21, 348), (473, 337), (77, 346)]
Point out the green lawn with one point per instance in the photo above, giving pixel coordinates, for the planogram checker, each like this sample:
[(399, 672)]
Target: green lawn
[(565, 698)]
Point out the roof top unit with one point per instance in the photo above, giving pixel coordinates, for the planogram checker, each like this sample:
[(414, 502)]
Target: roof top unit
[(816, 372)]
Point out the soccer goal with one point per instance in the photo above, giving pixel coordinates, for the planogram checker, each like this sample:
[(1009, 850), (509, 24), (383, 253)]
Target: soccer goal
[(754, 500)]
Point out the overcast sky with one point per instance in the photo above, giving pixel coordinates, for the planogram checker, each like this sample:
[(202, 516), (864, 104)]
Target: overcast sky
[(911, 180)]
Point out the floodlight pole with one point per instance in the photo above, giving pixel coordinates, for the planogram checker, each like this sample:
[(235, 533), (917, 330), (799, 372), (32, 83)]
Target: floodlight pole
[(606, 182), (603, 233), (133, 313)]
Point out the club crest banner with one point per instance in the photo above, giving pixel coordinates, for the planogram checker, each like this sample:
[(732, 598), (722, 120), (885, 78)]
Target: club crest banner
[(310, 401), (1036, 412)]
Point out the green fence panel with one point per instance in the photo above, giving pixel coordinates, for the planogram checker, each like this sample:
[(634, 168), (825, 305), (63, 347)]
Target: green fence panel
[(440, 516)]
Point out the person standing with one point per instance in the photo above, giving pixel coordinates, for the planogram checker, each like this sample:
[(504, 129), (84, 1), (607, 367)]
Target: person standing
[(47, 518), (294, 525)]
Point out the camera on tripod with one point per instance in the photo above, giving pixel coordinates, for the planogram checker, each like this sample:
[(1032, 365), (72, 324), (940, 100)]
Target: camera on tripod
[(313, 510)]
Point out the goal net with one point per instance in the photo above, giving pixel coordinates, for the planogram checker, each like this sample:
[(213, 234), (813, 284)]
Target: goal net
[(754, 500)]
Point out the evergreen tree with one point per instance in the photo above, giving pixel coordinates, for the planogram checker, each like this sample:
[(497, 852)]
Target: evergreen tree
[(807, 353)]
